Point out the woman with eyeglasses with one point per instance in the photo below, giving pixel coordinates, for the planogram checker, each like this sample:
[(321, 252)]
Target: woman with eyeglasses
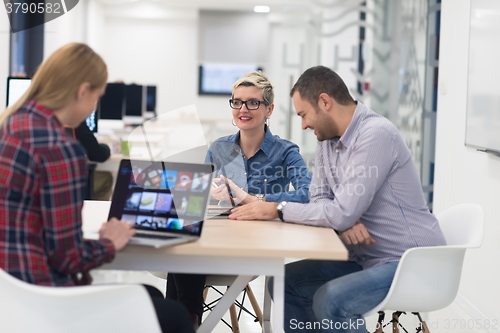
[(256, 166)]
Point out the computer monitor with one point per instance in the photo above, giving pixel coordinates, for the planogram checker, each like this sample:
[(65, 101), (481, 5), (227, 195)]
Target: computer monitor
[(150, 101), (92, 121), (134, 104), (16, 87), (112, 103)]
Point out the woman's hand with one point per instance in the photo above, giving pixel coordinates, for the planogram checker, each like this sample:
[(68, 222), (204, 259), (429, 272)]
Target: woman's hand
[(239, 195), (220, 192), (117, 231)]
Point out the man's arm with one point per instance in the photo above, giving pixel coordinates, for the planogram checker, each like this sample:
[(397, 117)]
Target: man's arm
[(360, 177), (96, 152)]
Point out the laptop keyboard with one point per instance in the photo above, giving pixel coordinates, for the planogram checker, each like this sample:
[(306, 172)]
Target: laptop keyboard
[(154, 236)]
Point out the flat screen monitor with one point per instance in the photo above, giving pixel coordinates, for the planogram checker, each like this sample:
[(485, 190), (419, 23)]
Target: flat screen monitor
[(112, 103), (16, 87), (218, 78), (151, 99), (134, 100)]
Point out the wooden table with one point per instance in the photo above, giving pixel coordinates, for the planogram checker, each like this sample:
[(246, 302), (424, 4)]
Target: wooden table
[(242, 248)]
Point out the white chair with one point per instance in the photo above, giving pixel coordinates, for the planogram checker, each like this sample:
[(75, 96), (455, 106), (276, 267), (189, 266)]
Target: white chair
[(214, 281), (427, 278), (26, 308)]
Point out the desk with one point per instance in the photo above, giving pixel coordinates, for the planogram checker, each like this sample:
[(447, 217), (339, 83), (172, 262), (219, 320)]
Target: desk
[(243, 248)]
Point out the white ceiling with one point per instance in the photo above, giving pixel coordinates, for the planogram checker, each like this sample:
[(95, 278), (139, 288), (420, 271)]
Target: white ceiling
[(207, 4)]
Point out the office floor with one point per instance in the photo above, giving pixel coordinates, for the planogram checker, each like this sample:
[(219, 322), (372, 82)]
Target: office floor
[(452, 319)]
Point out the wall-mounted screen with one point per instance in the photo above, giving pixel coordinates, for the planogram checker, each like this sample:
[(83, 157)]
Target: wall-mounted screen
[(218, 78), (112, 103)]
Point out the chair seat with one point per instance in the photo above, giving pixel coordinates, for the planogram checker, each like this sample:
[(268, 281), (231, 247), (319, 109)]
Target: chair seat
[(222, 280)]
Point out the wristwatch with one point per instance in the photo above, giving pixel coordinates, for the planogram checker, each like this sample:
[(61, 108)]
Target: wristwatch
[(279, 209), (260, 197)]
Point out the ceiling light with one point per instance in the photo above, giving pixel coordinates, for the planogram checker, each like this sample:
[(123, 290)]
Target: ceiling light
[(261, 9)]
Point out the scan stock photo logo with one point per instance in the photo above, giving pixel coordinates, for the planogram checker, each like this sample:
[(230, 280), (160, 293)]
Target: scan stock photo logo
[(27, 14)]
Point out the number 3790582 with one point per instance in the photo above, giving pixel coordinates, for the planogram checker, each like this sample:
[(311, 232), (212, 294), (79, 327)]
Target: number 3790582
[(32, 8)]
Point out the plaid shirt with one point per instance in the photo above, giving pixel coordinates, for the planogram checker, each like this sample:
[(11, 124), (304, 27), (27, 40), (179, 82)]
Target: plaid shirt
[(43, 174)]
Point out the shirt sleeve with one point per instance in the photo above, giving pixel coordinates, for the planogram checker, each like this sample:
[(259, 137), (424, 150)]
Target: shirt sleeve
[(62, 171), (297, 174), (97, 152), (341, 207)]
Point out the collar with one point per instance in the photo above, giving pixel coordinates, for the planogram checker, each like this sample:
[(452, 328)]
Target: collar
[(43, 111), (349, 135), (266, 145)]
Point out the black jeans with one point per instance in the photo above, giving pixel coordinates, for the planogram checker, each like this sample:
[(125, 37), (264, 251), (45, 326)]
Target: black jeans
[(188, 290), (172, 315)]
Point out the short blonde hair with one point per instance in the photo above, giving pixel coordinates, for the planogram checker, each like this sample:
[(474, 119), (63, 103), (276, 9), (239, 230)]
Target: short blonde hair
[(57, 80), (259, 80)]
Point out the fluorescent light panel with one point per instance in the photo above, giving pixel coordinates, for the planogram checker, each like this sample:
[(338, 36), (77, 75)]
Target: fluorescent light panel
[(261, 9)]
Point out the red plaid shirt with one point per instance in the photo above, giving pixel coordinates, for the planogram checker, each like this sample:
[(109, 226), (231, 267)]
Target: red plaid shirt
[(43, 175)]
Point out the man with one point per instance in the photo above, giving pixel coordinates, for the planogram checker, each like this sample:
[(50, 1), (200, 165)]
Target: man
[(96, 152), (366, 187)]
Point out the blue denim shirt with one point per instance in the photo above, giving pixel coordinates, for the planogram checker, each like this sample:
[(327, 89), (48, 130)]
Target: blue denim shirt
[(270, 171)]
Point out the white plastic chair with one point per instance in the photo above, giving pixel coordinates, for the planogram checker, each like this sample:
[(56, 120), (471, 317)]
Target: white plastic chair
[(26, 308), (427, 278), (214, 281)]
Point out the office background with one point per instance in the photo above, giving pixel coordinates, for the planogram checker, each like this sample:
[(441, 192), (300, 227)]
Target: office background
[(163, 43)]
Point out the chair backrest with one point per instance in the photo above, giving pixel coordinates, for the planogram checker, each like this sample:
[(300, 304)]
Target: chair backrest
[(427, 278), (463, 225), (113, 308)]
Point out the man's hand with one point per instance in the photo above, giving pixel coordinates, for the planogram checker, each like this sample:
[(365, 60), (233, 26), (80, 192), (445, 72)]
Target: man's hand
[(118, 231), (82, 279), (357, 234), (255, 211)]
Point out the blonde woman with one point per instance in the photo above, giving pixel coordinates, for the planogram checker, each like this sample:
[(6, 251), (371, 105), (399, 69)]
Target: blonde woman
[(43, 178)]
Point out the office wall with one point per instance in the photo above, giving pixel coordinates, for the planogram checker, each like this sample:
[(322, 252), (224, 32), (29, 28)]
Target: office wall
[(462, 174), (4, 56)]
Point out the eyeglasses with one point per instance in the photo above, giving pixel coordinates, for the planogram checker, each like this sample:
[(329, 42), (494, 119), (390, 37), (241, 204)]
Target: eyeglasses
[(251, 104)]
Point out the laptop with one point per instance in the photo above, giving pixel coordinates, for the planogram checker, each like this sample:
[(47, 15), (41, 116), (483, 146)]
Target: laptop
[(166, 201)]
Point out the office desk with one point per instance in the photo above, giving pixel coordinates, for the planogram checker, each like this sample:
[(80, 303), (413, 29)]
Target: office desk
[(243, 248)]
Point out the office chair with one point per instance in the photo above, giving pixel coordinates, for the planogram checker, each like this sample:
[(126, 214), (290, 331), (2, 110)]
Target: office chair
[(427, 278), (214, 281), (26, 308)]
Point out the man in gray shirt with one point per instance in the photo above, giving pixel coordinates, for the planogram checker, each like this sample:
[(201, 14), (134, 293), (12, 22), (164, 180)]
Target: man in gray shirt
[(366, 187)]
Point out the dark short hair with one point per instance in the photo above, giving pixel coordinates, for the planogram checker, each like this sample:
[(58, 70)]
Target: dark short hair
[(320, 79)]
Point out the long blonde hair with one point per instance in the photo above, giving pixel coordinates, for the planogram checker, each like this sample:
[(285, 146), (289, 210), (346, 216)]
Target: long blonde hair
[(58, 78)]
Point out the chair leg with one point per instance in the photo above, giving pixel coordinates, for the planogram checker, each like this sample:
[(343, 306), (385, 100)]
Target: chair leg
[(423, 325), (380, 322), (205, 293), (395, 321), (234, 319), (255, 305)]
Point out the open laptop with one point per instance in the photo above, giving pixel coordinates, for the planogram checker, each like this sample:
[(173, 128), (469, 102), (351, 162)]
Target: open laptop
[(166, 201)]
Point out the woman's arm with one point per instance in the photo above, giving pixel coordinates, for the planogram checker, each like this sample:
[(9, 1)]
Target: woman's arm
[(297, 174), (63, 177)]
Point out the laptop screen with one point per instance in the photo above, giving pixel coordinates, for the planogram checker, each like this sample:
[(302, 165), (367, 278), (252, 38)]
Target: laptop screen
[(162, 196)]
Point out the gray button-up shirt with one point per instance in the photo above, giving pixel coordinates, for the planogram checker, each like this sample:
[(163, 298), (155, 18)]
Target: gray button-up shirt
[(368, 175)]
